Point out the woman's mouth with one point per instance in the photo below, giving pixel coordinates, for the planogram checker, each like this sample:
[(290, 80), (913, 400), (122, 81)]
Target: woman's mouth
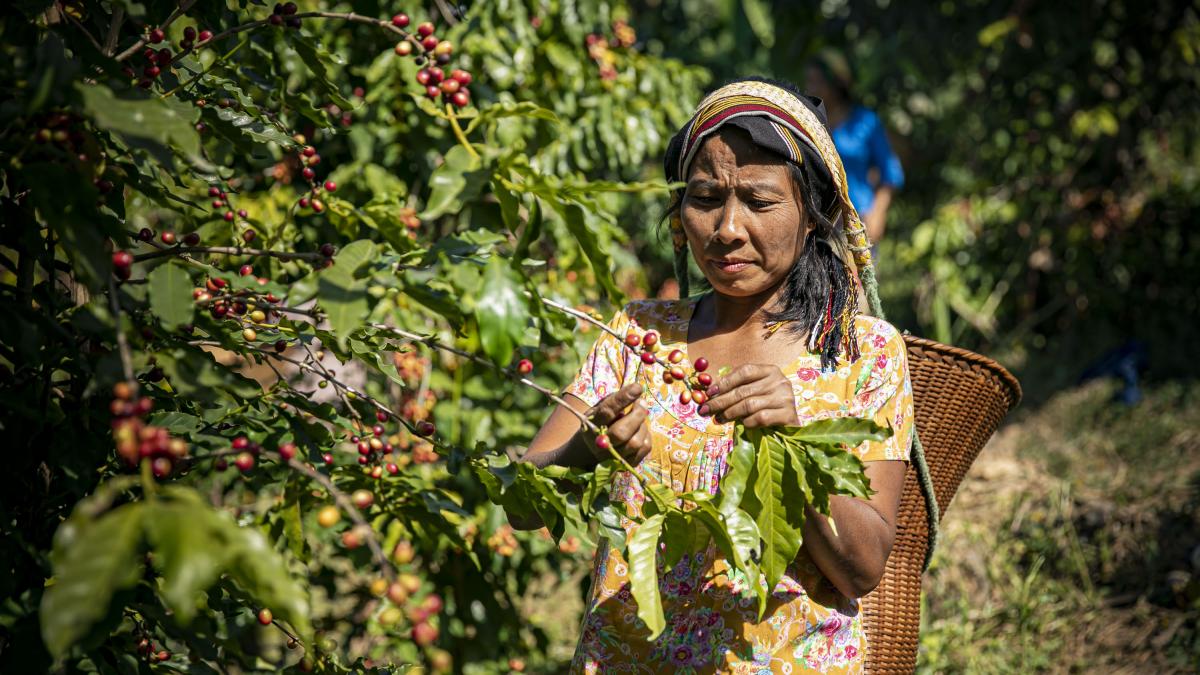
[(729, 265)]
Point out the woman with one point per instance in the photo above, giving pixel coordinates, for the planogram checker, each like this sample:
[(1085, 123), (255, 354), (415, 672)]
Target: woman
[(760, 215), (860, 139)]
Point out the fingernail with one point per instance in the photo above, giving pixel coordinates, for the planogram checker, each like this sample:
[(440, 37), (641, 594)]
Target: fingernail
[(712, 390), (703, 409)]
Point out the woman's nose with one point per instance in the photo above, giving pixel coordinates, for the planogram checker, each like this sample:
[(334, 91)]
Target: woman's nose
[(729, 229)]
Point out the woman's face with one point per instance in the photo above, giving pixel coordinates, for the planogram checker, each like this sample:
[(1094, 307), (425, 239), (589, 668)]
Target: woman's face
[(742, 216)]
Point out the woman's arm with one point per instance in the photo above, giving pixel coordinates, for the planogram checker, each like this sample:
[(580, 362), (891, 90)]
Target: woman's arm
[(854, 562), (760, 396)]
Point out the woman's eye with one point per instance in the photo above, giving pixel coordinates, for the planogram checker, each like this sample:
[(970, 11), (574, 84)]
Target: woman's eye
[(704, 199), (758, 203)]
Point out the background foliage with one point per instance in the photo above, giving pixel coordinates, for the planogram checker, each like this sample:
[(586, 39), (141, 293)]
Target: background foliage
[(1051, 152)]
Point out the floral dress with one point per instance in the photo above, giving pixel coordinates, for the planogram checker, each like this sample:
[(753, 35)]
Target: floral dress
[(711, 613)]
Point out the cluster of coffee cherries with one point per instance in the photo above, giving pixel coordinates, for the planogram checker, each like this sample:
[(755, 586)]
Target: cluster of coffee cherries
[(136, 440), (149, 651), (402, 593), (599, 48), (309, 158), (245, 455), (696, 381), (503, 542), (250, 310), (381, 452), (427, 49), (408, 216), (154, 60), (284, 14), (222, 203)]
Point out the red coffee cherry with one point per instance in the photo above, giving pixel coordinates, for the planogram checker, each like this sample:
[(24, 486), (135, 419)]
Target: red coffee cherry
[(205, 35), (525, 366), (191, 239), (330, 186), (157, 35), (400, 21), (265, 617), (700, 364), (168, 237), (461, 98), (425, 29), (122, 259)]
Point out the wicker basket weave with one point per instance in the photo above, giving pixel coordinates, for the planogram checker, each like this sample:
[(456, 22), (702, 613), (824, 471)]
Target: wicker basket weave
[(960, 399)]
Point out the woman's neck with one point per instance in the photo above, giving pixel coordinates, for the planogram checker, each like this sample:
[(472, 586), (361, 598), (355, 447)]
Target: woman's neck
[(731, 314)]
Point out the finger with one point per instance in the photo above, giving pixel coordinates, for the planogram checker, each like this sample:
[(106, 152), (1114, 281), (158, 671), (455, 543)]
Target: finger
[(623, 430), (638, 447), (746, 407), (772, 417), (613, 406), (741, 375), (644, 445), (731, 397)]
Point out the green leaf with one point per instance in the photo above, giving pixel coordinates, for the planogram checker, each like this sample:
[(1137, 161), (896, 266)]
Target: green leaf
[(187, 553), (780, 530), (850, 431), (598, 483), (344, 297), (682, 535), (262, 572), (509, 204), (575, 219), (459, 179), (501, 311), (741, 461), (317, 58), (643, 573), (152, 119), (531, 233), (504, 109), (178, 423), (257, 128), (171, 295), (92, 561)]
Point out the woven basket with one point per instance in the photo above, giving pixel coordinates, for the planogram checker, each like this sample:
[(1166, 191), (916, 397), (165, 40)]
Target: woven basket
[(960, 399)]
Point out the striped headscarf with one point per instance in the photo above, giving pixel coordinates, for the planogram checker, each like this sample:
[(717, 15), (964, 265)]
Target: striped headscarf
[(794, 127)]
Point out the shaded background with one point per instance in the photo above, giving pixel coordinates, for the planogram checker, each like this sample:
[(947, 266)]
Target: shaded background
[(1049, 220)]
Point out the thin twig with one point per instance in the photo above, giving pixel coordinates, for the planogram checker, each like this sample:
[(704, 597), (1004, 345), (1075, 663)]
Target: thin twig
[(114, 30), (431, 342), (179, 11), (351, 510), (229, 250), (122, 343), (80, 26)]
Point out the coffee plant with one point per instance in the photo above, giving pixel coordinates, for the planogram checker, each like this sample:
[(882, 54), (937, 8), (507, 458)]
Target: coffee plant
[(289, 289)]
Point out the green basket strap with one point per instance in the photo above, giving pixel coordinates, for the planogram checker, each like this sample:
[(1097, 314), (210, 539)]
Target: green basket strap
[(932, 512)]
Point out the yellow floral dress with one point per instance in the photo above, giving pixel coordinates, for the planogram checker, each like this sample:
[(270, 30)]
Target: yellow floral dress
[(712, 623)]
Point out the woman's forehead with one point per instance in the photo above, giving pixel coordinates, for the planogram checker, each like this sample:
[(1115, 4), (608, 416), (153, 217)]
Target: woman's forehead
[(731, 150)]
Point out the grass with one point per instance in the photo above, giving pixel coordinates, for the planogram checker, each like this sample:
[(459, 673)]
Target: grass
[(1074, 543)]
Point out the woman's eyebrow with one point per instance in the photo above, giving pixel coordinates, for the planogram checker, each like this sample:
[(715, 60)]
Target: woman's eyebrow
[(702, 184), (760, 187)]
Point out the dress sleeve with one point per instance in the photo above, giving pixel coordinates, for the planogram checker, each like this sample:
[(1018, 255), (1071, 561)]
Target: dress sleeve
[(604, 368), (882, 157), (885, 394)]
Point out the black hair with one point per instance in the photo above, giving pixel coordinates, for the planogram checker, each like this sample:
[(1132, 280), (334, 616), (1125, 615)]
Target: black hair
[(820, 283)]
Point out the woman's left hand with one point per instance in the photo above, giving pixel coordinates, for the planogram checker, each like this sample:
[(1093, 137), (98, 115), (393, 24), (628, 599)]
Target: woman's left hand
[(759, 395)]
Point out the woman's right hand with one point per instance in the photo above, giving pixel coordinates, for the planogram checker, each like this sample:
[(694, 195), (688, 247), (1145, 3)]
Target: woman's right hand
[(625, 416)]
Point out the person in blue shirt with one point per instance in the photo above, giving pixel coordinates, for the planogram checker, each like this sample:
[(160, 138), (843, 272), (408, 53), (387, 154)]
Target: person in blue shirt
[(861, 140)]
